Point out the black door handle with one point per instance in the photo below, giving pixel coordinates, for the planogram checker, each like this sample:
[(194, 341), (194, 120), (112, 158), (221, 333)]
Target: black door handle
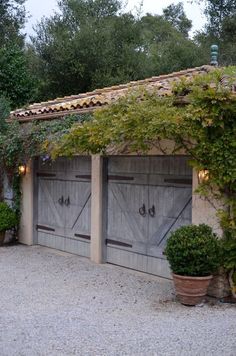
[(142, 210), (61, 200), (152, 211), (67, 201)]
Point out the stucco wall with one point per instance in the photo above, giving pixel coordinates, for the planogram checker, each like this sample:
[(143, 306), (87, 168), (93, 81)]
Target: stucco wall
[(26, 224), (202, 210)]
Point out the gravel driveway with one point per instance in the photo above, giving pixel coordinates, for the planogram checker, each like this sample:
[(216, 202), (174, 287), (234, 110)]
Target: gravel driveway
[(53, 303)]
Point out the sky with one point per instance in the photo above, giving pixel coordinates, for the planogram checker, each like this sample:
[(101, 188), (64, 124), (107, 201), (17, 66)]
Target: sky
[(37, 9)]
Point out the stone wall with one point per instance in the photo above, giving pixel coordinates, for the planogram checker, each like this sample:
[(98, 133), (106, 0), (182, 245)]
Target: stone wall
[(219, 286)]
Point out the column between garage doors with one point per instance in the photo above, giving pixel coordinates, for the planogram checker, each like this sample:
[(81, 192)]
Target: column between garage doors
[(98, 209)]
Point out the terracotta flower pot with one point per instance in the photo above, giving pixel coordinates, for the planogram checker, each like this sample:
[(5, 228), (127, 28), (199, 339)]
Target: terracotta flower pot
[(191, 290), (2, 237)]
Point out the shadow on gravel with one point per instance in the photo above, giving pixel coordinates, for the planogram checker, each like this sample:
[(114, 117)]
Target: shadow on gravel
[(171, 304), (10, 243)]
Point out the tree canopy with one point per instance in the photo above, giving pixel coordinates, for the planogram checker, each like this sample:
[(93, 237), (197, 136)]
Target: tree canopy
[(96, 43), (220, 29), (217, 12), (90, 44), (176, 16), (12, 19), (16, 83)]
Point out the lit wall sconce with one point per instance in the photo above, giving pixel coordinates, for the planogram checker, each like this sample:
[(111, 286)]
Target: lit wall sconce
[(22, 169), (203, 176)]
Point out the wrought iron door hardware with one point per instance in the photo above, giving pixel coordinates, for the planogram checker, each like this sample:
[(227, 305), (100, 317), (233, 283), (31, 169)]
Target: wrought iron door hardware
[(67, 201), (61, 200), (142, 210), (152, 211)]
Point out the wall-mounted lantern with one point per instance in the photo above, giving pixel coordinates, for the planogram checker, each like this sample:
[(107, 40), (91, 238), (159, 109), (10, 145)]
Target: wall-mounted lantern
[(22, 169), (203, 176)]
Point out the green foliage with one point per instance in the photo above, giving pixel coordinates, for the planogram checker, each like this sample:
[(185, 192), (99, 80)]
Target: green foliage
[(92, 44), (229, 254), (228, 244), (12, 19), (4, 113), (16, 83), (209, 121), (205, 129), (193, 251), (227, 41), (8, 218), (19, 143), (229, 260), (220, 29), (17, 195), (128, 126), (140, 120), (216, 12), (88, 46), (166, 48), (176, 16)]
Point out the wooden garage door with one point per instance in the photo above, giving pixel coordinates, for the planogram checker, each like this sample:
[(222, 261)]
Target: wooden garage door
[(148, 198), (64, 194)]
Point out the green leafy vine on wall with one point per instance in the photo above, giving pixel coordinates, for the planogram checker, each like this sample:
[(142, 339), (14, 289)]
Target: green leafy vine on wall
[(21, 142), (205, 129)]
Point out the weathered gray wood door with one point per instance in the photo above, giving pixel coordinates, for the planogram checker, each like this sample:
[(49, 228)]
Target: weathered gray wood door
[(148, 198), (64, 195)]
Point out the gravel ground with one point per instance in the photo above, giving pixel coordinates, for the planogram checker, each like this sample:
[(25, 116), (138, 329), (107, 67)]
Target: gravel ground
[(53, 303)]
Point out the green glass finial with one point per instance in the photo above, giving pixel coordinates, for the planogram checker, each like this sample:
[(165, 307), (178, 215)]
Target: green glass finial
[(214, 55)]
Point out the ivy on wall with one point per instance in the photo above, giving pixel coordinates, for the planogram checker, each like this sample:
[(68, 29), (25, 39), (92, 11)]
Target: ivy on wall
[(205, 128), (21, 142)]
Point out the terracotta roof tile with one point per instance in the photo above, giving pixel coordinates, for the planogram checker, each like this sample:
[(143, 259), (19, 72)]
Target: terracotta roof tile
[(86, 102)]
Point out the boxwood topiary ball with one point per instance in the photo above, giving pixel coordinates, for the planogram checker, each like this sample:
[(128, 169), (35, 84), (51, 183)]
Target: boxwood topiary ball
[(193, 251)]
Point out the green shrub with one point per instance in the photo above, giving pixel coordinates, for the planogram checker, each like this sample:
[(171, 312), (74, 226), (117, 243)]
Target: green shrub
[(229, 253), (193, 251), (8, 218)]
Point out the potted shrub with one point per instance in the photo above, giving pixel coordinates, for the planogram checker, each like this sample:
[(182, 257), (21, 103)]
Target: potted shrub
[(8, 220), (193, 254)]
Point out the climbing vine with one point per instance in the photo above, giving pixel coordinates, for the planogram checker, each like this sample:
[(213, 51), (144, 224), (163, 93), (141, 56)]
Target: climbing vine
[(200, 117), (21, 142)]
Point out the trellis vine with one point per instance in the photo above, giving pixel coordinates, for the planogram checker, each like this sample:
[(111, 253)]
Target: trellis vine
[(205, 128)]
